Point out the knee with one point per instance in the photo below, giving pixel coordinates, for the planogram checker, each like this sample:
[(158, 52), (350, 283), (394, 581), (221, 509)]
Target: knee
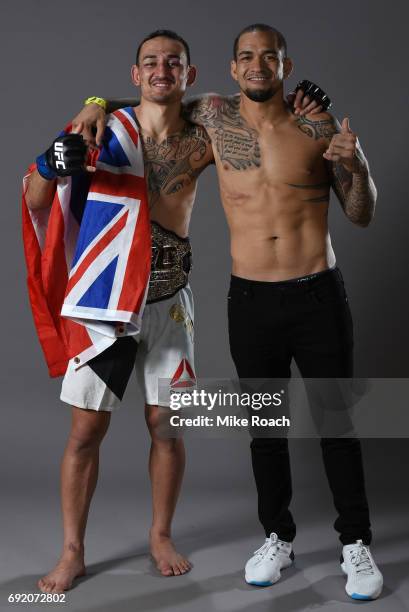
[(161, 432), (154, 417), (87, 434)]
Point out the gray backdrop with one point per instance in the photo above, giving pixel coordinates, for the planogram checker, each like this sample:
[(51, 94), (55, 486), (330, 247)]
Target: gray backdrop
[(53, 55)]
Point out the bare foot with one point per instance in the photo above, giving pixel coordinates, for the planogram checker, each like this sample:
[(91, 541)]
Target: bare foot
[(60, 579), (168, 561)]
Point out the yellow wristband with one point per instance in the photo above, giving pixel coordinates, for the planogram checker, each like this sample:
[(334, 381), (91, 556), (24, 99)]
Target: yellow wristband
[(95, 100)]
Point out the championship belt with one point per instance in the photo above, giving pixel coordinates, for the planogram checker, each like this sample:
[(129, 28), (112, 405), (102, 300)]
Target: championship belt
[(171, 263)]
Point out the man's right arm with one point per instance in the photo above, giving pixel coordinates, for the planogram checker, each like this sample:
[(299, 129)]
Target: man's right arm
[(92, 118), (40, 191)]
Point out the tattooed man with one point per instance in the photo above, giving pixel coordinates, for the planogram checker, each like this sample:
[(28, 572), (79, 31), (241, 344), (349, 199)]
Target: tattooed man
[(275, 170), (175, 153), (287, 299)]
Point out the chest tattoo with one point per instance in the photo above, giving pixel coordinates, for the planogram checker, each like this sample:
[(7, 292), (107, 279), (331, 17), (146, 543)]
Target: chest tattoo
[(175, 162)]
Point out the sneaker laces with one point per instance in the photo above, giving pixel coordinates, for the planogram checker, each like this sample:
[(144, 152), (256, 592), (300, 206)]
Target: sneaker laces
[(269, 545), (361, 560)]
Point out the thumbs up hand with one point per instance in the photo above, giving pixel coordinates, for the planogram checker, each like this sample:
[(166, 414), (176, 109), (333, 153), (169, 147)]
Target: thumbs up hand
[(343, 148)]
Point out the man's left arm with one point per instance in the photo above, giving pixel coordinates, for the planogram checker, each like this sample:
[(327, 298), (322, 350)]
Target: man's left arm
[(351, 178)]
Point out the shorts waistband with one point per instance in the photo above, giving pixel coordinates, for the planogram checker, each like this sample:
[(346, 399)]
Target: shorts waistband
[(293, 284)]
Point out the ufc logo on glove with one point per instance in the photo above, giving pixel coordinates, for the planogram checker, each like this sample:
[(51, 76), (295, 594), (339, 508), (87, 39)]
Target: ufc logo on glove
[(59, 155)]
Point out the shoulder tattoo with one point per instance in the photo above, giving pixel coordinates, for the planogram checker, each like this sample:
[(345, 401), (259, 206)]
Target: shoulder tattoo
[(235, 141)]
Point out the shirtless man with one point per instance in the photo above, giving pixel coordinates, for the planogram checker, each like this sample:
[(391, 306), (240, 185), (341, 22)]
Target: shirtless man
[(175, 153), (287, 299)]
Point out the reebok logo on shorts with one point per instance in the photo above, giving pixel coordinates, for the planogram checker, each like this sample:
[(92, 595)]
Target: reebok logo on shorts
[(184, 376)]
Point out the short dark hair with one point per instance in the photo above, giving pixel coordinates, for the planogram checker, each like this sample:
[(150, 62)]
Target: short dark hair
[(166, 34), (261, 27)]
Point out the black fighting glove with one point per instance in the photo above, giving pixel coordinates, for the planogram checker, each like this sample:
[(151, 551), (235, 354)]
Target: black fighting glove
[(66, 156), (314, 93)]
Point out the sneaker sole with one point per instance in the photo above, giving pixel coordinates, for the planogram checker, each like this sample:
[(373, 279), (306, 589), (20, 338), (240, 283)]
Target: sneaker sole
[(358, 595), (267, 583)]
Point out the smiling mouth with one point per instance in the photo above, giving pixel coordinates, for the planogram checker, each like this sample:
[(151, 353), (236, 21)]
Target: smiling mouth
[(258, 79), (162, 85)]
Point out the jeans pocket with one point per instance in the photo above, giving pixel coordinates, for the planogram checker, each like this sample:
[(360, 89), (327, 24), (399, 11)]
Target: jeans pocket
[(239, 296), (327, 295)]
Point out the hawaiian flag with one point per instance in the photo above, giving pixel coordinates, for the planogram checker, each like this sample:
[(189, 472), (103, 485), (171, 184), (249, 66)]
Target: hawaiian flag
[(88, 256)]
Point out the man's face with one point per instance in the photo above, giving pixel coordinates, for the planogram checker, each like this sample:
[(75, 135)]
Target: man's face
[(260, 66), (163, 73)]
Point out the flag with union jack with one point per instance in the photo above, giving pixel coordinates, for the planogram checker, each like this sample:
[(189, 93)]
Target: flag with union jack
[(88, 256)]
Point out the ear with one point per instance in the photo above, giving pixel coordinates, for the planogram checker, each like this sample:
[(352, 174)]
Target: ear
[(233, 69), (191, 75), (135, 75), (288, 67)]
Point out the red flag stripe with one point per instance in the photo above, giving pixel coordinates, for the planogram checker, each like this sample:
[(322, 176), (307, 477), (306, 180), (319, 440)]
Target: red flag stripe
[(128, 126), (98, 248)]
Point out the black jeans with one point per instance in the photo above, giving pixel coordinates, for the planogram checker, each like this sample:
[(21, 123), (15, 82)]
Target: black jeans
[(308, 320)]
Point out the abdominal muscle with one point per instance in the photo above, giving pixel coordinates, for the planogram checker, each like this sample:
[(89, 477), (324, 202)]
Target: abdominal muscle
[(286, 242)]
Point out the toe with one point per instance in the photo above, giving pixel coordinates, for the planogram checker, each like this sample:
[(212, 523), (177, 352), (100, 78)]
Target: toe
[(165, 569)]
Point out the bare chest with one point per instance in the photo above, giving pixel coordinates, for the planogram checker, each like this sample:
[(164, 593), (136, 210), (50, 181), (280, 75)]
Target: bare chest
[(250, 160)]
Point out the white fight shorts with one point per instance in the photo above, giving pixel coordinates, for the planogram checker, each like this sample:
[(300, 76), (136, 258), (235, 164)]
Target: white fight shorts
[(163, 350)]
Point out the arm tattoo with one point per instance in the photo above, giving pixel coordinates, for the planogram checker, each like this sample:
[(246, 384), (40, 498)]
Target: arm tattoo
[(355, 192), (176, 162), (236, 142), (317, 129)]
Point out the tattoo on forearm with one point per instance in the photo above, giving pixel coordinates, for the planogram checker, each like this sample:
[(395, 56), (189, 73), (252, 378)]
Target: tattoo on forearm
[(236, 142), (355, 192), (174, 163)]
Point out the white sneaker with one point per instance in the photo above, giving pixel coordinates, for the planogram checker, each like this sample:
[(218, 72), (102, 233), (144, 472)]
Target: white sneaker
[(264, 567), (364, 578)]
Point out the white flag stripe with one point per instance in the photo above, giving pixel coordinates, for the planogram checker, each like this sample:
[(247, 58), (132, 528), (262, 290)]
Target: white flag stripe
[(97, 238), (128, 146), (131, 121), (127, 238), (102, 197), (94, 270)]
